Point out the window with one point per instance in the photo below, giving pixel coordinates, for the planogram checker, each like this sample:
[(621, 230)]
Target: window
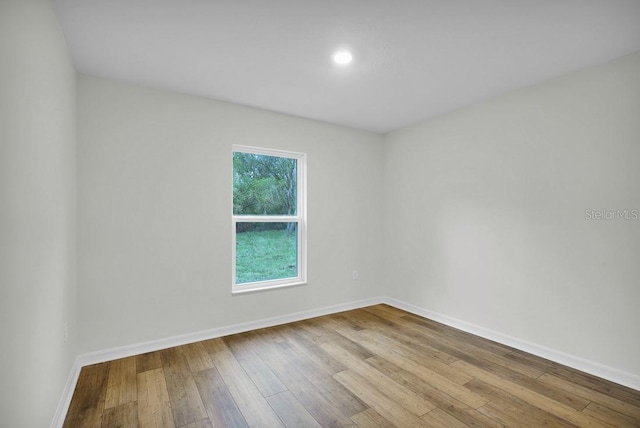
[(268, 219)]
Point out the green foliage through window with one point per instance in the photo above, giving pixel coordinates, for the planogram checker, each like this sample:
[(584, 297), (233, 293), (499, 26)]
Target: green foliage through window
[(263, 185)]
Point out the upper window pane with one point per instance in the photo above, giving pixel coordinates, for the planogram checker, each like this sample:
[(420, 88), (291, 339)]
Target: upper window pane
[(264, 185)]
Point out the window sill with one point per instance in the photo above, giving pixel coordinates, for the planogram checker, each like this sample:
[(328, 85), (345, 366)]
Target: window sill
[(256, 288)]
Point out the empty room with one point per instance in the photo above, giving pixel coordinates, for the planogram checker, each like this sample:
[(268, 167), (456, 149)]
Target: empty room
[(290, 213)]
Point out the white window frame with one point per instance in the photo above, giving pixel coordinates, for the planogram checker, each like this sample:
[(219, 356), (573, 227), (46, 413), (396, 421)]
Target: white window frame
[(300, 218)]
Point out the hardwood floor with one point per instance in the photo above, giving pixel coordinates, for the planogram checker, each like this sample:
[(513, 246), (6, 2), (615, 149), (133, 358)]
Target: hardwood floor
[(371, 367)]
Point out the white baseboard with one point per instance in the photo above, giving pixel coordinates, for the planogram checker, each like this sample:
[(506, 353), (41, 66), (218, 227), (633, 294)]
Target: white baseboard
[(596, 369), (67, 394), (155, 345), (590, 367)]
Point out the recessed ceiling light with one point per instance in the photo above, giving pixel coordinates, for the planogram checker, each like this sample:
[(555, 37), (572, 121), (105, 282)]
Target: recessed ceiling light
[(342, 57)]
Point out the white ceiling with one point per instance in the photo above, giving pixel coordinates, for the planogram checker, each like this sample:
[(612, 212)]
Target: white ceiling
[(413, 59)]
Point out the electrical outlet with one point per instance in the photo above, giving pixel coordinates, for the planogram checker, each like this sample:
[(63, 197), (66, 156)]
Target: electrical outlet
[(355, 275)]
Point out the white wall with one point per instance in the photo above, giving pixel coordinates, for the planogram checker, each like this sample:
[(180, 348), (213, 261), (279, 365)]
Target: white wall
[(485, 214), (37, 213), (155, 213)]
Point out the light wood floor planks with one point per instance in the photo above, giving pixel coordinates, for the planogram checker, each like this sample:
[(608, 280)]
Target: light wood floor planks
[(372, 367)]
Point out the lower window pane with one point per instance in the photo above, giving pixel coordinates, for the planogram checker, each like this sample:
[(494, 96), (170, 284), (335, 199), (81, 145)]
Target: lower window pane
[(266, 251)]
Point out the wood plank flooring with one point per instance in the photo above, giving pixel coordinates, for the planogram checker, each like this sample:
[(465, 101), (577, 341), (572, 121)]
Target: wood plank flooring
[(372, 367)]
